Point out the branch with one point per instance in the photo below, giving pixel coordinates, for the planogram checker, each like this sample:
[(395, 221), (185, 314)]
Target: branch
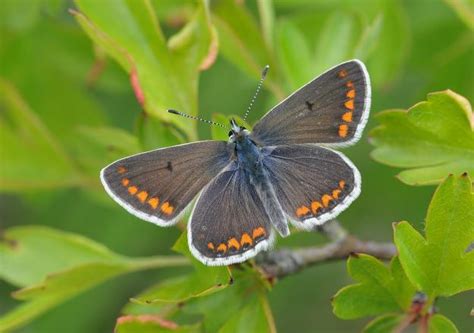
[(284, 262)]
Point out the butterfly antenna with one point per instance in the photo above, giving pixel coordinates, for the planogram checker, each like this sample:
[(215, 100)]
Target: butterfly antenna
[(197, 118), (259, 86)]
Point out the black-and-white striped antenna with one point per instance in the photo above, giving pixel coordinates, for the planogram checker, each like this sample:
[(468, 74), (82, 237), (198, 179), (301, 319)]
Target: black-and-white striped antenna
[(185, 115), (259, 86)]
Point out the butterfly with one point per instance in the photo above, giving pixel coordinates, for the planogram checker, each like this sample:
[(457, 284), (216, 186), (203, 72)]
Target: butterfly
[(248, 188)]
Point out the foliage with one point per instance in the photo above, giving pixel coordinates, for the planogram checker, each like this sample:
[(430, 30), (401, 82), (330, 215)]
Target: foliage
[(83, 86), (433, 267), (53, 266), (433, 138)]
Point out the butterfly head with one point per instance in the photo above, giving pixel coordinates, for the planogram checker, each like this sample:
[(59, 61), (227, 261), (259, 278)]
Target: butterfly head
[(237, 132)]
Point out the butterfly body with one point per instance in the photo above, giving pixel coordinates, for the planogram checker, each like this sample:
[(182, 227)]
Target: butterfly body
[(284, 171)]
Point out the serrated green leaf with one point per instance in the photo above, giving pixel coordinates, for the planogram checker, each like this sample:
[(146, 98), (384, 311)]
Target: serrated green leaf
[(379, 289), (383, 324), (164, 74), (433, 139), (440, 324), (55, 266), (438, 264)]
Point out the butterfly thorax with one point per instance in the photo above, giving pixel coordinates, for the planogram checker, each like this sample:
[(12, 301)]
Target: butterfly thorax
[(248, 155)]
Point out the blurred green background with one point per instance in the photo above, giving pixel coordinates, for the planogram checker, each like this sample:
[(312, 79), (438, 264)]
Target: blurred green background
[(53, 79)]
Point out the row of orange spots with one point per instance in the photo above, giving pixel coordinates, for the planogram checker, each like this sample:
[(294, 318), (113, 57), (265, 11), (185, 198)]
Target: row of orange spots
[(234, 243), (349, 105), (324, 203), (142, 196)]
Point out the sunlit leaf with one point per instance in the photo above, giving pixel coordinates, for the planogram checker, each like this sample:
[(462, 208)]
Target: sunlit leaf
[(438, 263), (440, 324), (379, 289), (164, 74), (384, 324), (432, 139)]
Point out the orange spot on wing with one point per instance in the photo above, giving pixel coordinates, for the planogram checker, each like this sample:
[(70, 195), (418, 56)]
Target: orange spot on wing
[(210, 246), (347, 117), (125, 182), (245, 239), (326, 199), (349, 104), (315, 206), (258, 232), (167, 208), (302, 211), (222, 248), (349, 84), (142, 196), (121, 169), (132, 190), (233, 243), (153, 202), (351, 93), (335, 194), (342, 73), (343, 130), (342, 184)]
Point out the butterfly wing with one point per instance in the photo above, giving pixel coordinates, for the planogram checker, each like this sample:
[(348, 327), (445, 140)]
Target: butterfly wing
[(313, 184), (158, 185), (332, 110), (229, 223)]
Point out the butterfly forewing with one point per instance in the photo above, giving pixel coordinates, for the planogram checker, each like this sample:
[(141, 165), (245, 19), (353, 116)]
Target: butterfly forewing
[(158, 185), (229, 223), (332, 110), (313, 184)]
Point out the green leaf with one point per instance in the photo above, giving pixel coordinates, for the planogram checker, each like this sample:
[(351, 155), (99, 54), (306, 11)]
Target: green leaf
[(379, 289), (465, 11), (383, 324), (392, 45), (98, 146), (336, 41), (243, 44), (28, 146), (432, 138), (154, 134), (164, 74), (204, 281), (56, 266), (294, 54), (440, 324), (250, 318), (438, 263), (151, 324)]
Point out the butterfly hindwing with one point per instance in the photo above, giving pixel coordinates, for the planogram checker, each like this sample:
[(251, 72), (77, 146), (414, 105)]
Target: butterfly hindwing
[(158, 185), (229, 223), (331, 110), (313, 184)]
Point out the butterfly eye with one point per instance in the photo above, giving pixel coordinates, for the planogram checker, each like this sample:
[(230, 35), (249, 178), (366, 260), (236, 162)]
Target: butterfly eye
[(230, 133), (242, 128)]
